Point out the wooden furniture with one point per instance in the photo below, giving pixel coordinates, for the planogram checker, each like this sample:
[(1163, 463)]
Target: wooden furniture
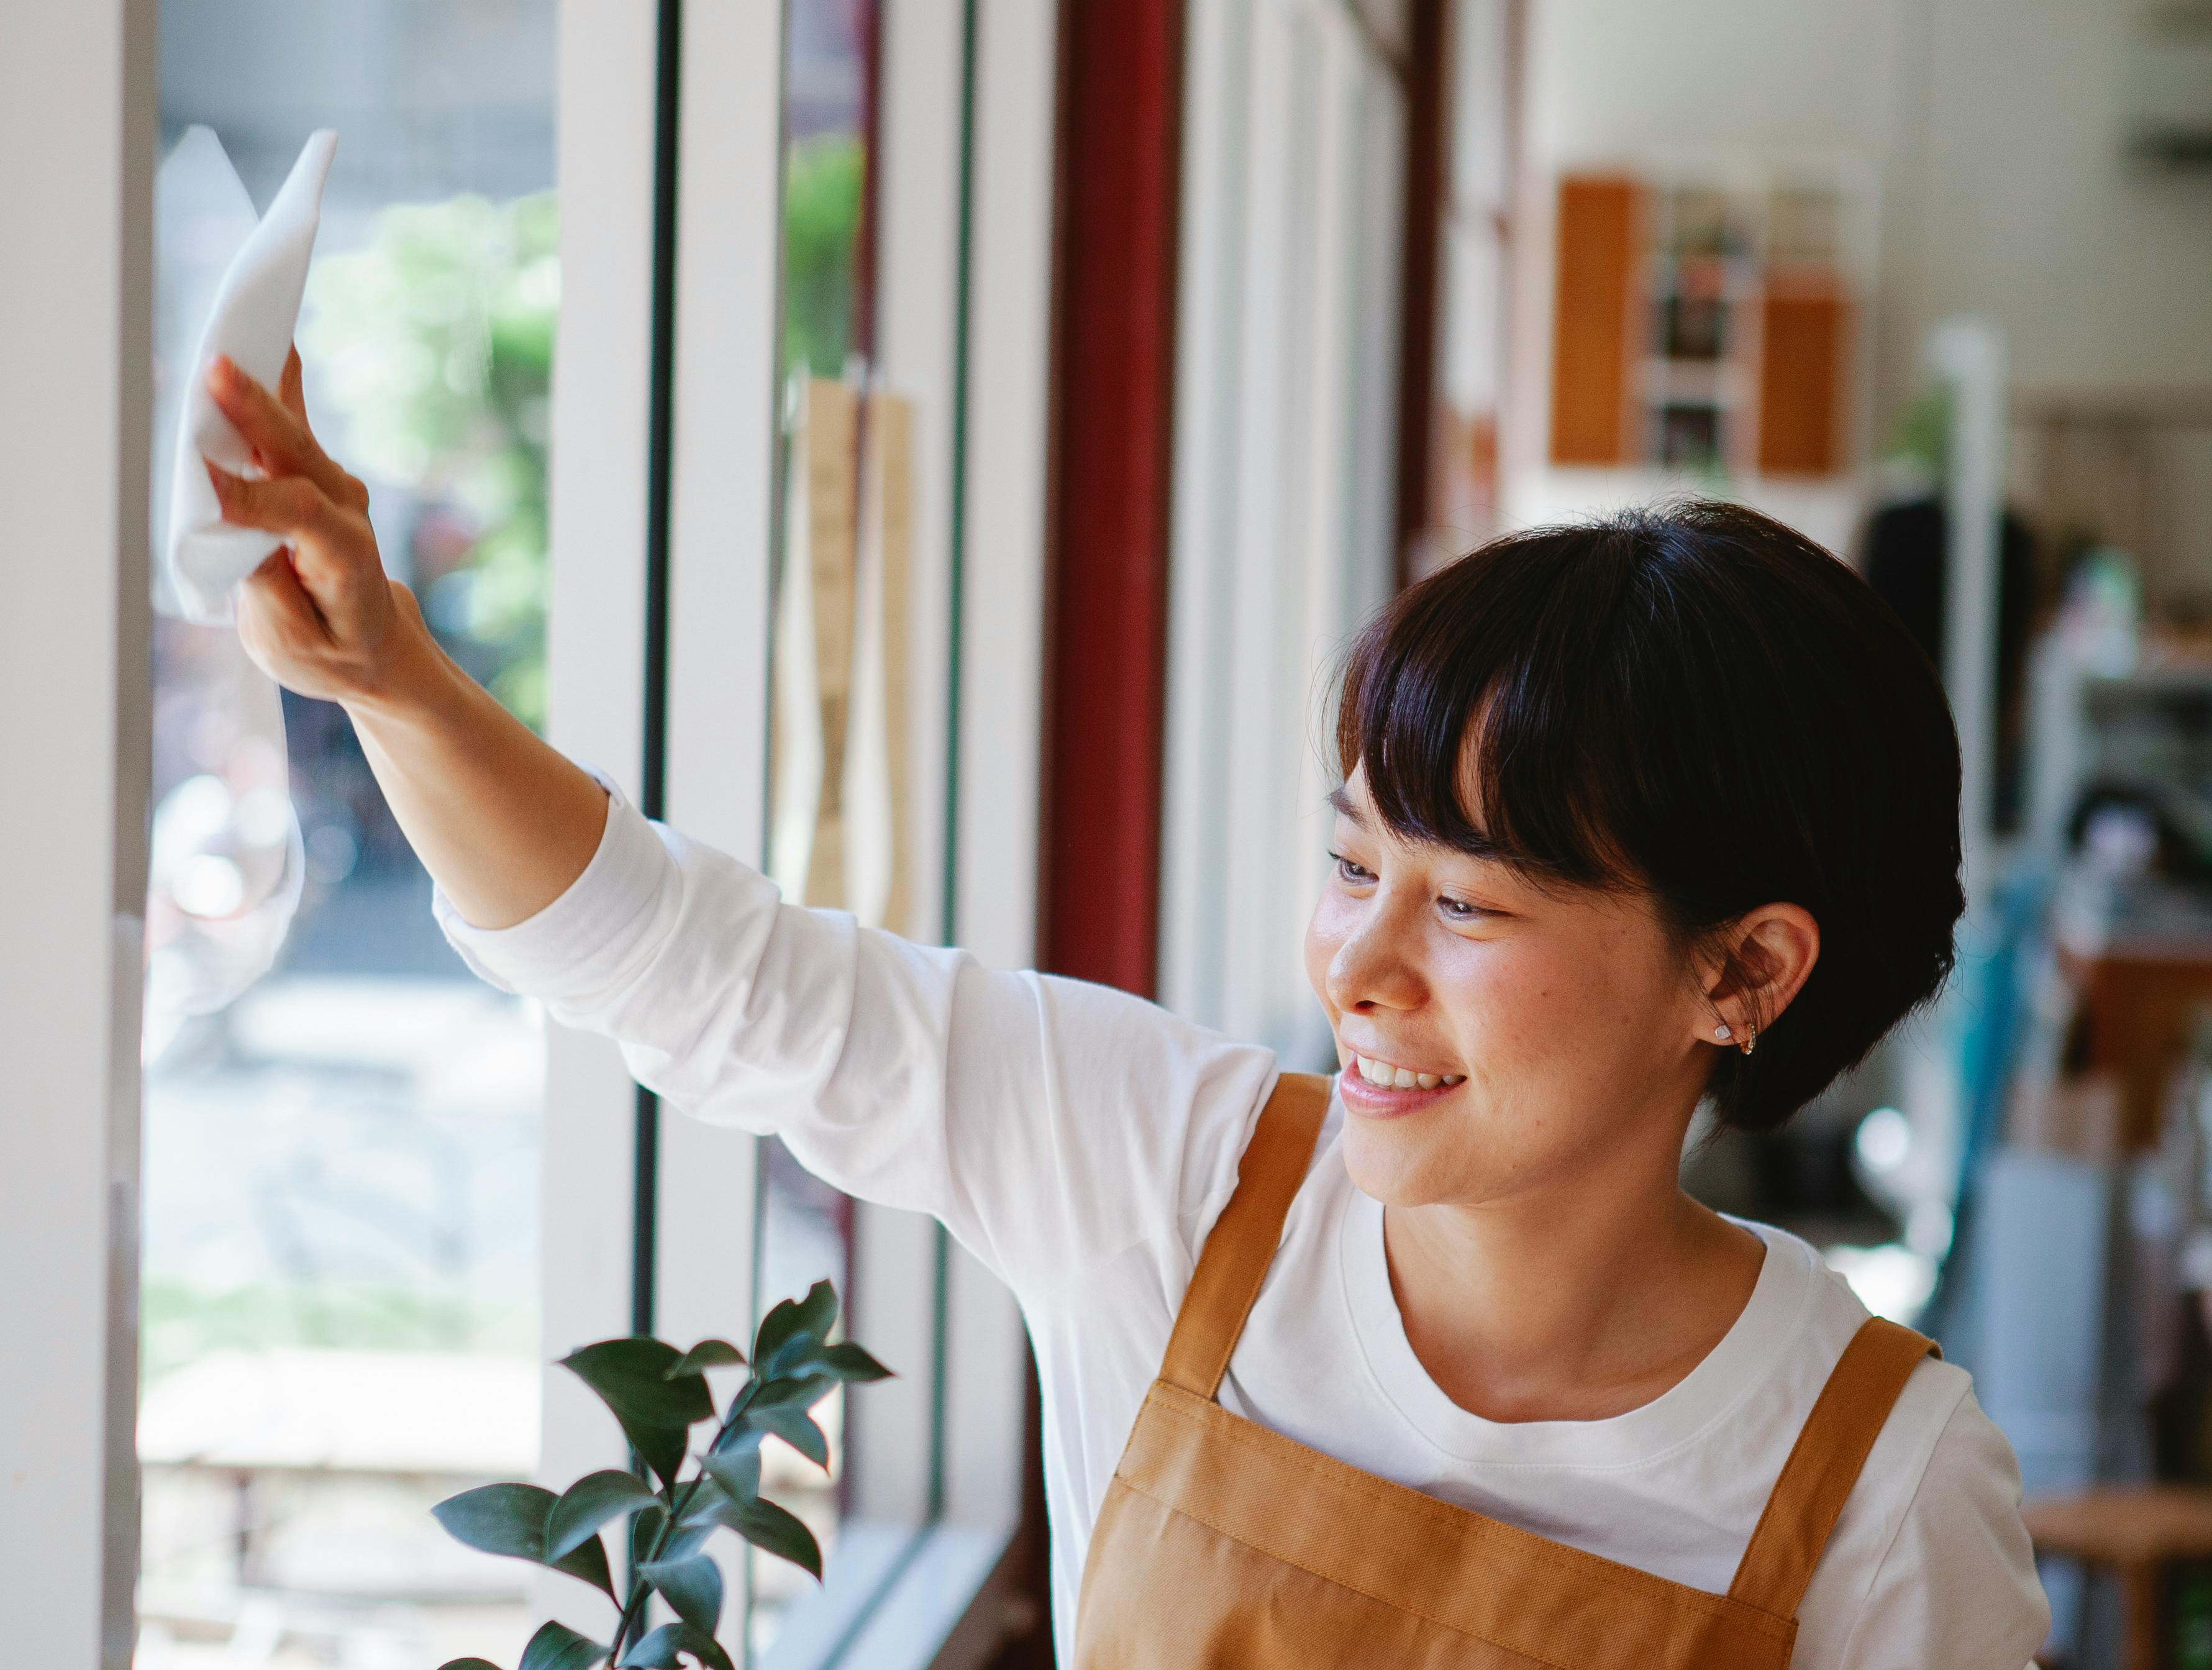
[(1591, 342), (1705, 323), (1804, 336), (2143, 1005), (2134, 1533)]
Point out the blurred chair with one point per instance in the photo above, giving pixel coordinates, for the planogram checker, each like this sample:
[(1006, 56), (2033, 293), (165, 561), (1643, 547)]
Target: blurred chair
[(2135, 1533)]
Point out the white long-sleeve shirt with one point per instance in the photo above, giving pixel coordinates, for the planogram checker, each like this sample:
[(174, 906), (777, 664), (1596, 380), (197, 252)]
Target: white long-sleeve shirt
[(1081, 1141)]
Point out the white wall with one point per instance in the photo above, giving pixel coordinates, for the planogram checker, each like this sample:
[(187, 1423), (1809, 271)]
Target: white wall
[(2099, 271), (1616, 85), (1993, 133)]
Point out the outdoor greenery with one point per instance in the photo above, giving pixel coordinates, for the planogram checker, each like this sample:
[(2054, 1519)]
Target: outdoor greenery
[(434, 343), (822, 187), (659, 1394), (182, 1321)]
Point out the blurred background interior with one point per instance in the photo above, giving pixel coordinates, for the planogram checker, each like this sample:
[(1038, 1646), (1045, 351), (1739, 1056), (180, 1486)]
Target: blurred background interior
[(1045, 392)]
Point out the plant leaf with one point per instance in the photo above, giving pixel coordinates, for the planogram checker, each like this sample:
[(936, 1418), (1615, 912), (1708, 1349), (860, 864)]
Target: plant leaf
[(643, 1530), (499, 1519), (848, 1361), (787, 1320), (511, 1520), (656, 1411), (796, 1428), (818, 1309), (468, 1664), (767, 1526), (589, 1503), (658, 1650), (790, 1392), (557, 1647), (692, 1586), (659, 1449), (589, 1562), (631, 1376), (689, 1536), (707, 1354), (737, 1471)]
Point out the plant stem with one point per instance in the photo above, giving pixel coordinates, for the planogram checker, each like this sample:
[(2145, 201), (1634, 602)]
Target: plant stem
[(633, 1614)]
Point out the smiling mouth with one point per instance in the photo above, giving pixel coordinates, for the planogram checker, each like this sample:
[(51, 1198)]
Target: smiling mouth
[(1387, 1076)]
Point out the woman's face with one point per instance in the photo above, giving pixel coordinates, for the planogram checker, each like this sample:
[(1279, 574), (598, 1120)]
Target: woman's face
[(1552, 1035)]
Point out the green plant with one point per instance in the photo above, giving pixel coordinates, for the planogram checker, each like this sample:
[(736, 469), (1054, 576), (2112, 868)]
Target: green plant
[(659, 1394), (822, 183)]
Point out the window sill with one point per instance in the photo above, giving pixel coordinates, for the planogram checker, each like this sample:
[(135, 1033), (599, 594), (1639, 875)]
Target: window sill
[(901, 1597)]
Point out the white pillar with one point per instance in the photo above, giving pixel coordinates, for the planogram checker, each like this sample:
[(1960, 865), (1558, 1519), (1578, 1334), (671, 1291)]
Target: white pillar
[(77, 161), (595, 650), (1968, 359)]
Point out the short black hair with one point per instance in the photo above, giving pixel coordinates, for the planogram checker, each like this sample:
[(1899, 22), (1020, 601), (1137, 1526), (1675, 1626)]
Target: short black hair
[(1697, 704)]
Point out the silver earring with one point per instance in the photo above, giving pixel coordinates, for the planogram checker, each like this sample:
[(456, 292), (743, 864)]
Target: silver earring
[(1722, 1032), (1751, 1042)]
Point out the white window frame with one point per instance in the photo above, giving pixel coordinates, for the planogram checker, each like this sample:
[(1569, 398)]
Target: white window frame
[(928, 1520)]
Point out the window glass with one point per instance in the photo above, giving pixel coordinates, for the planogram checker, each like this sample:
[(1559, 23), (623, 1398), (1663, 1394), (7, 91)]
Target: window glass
[(804, 1228), (341, 1272)]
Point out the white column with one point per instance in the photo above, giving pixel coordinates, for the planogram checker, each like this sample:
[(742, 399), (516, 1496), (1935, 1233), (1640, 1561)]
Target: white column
[(596, 678), (1000, 670), (77, 159), (917, 163), (730, 160), (1969, 359), (1009, 382)]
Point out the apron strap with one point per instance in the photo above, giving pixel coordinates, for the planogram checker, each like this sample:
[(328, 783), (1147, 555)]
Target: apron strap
[(1824, 1464), (1243, 1242)]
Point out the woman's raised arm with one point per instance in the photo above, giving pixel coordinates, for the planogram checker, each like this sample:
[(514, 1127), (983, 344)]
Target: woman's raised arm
[(502, 822), (1048, 1123)]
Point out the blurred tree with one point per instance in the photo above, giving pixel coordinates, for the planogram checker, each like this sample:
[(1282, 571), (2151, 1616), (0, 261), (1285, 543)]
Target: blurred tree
[(434, 343), (821, 219)]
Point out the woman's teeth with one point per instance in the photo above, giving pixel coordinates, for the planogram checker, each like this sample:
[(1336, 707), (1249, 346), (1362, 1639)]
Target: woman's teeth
[(1382, 1074)]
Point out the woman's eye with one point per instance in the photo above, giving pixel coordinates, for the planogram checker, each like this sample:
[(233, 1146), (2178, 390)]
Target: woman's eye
[(1346, 870), (1458, 910)]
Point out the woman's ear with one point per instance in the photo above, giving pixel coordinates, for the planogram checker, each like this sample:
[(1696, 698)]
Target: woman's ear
[(1766, 956)]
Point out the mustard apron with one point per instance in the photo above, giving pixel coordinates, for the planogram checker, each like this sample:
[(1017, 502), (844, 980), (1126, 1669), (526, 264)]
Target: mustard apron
[(1225, 1545)]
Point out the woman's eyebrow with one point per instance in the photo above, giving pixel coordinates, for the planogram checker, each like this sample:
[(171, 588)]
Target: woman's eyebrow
[(1347, 807)]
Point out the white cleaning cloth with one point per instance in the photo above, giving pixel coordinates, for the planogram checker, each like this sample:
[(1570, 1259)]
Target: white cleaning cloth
[(255, 309)]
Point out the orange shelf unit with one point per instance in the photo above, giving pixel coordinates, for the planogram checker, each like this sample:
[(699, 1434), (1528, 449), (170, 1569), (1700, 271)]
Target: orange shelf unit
[(1593, 335), (1804, 340)]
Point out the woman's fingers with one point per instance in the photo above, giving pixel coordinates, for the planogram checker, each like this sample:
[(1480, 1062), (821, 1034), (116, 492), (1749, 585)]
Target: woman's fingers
[(331, 547), (291, 391), (276, 616), (289, 505), (277, 430)]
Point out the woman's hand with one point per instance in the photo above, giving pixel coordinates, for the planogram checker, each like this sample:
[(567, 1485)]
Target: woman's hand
[(320, 616), (502, 822)]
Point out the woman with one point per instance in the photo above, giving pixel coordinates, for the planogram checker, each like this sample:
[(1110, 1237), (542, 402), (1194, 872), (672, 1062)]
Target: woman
[(1438, 1365)]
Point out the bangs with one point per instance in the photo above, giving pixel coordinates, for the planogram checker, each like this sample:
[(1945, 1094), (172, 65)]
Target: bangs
[(1491, 707), (1698, 705)]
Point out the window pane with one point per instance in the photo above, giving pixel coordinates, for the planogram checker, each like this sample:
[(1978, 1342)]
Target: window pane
[(805, 1227), (341, 1255)]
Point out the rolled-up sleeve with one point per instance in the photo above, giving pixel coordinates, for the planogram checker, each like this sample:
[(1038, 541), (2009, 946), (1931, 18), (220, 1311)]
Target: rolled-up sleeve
[(574, 954), (1043, 1120)]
